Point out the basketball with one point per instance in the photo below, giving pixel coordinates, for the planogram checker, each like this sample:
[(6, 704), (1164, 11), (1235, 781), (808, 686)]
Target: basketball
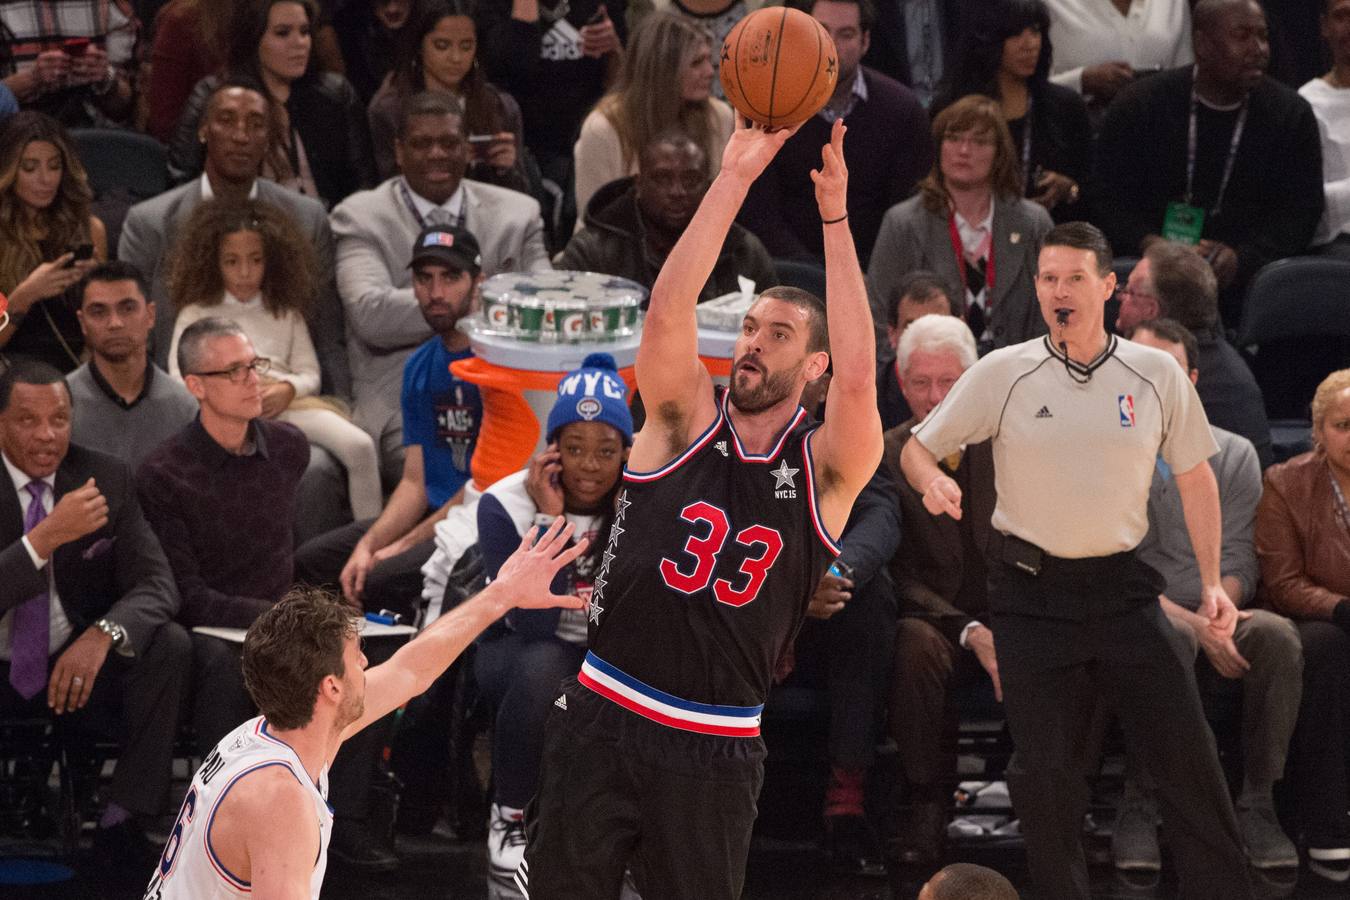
[(778, 67)]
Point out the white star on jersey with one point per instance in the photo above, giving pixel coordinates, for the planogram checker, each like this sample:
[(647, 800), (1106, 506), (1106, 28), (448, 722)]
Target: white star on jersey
[(783, 476)]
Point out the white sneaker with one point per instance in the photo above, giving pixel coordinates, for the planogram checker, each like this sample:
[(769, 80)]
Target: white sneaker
[(506, 843)]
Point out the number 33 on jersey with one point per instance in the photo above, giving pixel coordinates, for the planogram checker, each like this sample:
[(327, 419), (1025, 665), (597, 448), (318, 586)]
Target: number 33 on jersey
[(710, 565)]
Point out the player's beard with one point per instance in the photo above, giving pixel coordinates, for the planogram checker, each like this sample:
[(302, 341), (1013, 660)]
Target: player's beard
[(773, 388), (353, 705)]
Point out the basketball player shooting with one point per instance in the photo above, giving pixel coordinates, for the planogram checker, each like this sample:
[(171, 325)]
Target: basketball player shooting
[(255, 821), (726, 521)]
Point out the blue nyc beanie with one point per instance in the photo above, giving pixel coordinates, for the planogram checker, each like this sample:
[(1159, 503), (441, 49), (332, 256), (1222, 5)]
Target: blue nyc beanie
[(593, 393)]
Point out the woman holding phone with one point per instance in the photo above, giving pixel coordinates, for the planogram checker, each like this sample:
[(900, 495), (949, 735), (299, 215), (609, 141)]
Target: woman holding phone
[(1005, 53), (48, 239), (522, 658), (439, 52)]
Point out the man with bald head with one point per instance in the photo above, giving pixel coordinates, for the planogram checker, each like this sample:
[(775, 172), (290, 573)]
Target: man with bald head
[(1189, 155), (632, 223)]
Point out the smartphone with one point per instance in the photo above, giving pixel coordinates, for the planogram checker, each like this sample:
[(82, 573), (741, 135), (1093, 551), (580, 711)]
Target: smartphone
[(75, 46), (82, 252), (599, 16), (480, 143), (841, 569)]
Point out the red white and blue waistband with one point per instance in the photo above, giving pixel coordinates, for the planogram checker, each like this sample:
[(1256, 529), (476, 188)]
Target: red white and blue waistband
[(666, 709)]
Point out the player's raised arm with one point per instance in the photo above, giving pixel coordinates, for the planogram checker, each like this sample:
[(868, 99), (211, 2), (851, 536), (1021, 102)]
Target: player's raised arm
[(847, 447), (522, 582), (675, 387)]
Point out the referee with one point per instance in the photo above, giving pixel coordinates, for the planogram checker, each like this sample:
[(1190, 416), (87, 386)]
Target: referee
[(1078, 420)]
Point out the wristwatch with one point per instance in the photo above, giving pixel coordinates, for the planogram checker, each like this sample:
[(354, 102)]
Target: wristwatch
[(117, 633)]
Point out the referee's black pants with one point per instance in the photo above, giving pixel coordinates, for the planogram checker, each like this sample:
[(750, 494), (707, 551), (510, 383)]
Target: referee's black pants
[(1088, 631)]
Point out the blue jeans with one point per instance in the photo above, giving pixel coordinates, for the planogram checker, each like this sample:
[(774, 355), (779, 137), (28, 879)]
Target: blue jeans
[(520, 677)]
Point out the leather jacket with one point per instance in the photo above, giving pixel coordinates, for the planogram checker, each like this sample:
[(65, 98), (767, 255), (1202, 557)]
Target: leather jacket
[(1303, 547)]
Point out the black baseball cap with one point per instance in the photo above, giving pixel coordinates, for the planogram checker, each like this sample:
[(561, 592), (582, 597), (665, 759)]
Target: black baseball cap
[(449, 245)]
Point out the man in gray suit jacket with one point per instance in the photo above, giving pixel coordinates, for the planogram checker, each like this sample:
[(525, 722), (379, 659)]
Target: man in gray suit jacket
[(234, 132), (375, 231)]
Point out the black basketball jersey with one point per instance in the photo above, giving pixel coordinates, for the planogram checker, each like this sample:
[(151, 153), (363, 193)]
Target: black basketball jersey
[(708, 571)]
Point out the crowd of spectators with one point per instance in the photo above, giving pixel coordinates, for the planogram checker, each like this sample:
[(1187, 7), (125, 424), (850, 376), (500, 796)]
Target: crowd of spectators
[(244, 382)]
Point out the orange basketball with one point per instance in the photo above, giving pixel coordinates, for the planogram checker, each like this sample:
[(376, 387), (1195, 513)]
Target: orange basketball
[(778, 66)]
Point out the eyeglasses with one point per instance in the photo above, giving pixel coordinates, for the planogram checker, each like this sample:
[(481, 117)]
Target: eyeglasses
[(239, 374), (1125, 293), (965, 138)]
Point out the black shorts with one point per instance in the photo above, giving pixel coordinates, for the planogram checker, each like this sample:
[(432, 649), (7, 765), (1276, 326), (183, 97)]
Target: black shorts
[(617, 790)]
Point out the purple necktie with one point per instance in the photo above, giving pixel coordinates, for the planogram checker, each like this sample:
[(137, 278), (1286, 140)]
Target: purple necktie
[(30, 629)]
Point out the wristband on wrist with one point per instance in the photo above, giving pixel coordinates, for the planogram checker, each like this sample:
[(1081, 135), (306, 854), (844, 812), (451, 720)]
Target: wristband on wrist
[(833, 221)]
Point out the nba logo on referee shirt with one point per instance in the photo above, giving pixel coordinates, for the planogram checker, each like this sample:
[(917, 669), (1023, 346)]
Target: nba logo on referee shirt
[(1126, 404)]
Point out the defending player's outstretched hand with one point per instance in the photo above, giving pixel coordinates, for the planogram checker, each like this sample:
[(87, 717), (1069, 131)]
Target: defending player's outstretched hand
[(526, 575)]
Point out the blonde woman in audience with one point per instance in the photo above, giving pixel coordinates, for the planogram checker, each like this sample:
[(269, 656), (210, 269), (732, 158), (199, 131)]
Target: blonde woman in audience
[(1303, 544), (665, 82), (263, 278), (48, 239)]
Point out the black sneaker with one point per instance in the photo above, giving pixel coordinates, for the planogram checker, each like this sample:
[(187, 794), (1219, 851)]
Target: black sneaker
[(125, 848), (353, 848), (853, 846), (921, 830)]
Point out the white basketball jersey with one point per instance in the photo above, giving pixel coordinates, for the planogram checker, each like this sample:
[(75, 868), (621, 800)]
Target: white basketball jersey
[(189, 869)]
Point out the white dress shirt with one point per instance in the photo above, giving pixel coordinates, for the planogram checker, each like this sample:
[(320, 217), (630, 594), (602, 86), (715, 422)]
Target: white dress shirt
[(452, 207), (60, 625), (1153, 34), (1331, 105), (208, 194)]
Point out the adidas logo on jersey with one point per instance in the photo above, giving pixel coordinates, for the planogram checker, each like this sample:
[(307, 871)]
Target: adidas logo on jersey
[(1044, 413), (561, 702)]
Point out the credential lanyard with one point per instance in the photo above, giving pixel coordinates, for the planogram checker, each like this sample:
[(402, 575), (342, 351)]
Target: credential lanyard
[(1026, 146), (1191, 142)]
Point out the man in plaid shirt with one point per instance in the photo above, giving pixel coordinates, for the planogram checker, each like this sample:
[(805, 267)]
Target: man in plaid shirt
[(72, 59)]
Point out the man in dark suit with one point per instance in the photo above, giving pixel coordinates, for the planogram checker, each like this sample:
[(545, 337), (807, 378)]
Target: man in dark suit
[(939, 576), (888, 149), (86, 602), (914, 40)]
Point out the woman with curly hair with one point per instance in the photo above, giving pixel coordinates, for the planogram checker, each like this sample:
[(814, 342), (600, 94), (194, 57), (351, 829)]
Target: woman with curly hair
[(665, 83), (439, 52), (1005, 53), (319, 143), (44, 226), (248, 262)]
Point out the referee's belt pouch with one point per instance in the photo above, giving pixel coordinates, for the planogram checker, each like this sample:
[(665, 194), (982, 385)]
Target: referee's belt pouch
[(1022, 555)]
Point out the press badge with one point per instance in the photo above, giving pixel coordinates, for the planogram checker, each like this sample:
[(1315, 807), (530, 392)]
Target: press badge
[(1183, 223)]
